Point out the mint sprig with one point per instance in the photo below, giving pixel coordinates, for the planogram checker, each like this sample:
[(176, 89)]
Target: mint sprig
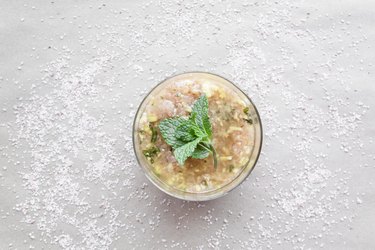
[(190, 137)]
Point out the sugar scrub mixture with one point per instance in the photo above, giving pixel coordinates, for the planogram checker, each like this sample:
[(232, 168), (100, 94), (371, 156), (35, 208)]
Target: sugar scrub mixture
[(233, 135)]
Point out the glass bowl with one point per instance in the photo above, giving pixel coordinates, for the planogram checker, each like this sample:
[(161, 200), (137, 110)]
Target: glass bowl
[(220, 85)]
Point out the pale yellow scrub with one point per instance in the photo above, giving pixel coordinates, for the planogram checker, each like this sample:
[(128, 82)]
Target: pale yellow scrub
[(233, 134)]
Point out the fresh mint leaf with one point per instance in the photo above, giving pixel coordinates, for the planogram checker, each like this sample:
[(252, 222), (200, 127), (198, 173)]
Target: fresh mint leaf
[(200, 152), (200, 107), (168, 131), (207, 125), (185, 151), (200, 112), (190, 137), (185, 132)]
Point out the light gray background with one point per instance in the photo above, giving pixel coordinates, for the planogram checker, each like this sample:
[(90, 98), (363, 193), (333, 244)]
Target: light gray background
[(73, 72)]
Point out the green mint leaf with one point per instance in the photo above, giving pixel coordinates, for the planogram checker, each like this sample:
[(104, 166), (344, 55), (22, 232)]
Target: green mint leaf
[(207, 126), (185, 132), (168, 131), (185, 151), (190, 137), (198, 131), (200, 115), (200, 152), (200, 106)]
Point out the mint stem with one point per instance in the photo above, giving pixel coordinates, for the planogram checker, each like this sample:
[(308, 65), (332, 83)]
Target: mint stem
[(214, 155), (209, 147)]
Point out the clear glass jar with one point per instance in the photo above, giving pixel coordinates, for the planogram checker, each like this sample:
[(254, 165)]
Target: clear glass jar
[(181, 187)]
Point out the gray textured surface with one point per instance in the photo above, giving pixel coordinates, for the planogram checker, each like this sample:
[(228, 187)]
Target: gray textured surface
[(72, 74)]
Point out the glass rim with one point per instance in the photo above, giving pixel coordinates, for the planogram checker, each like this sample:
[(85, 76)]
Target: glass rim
[(201, 196)]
